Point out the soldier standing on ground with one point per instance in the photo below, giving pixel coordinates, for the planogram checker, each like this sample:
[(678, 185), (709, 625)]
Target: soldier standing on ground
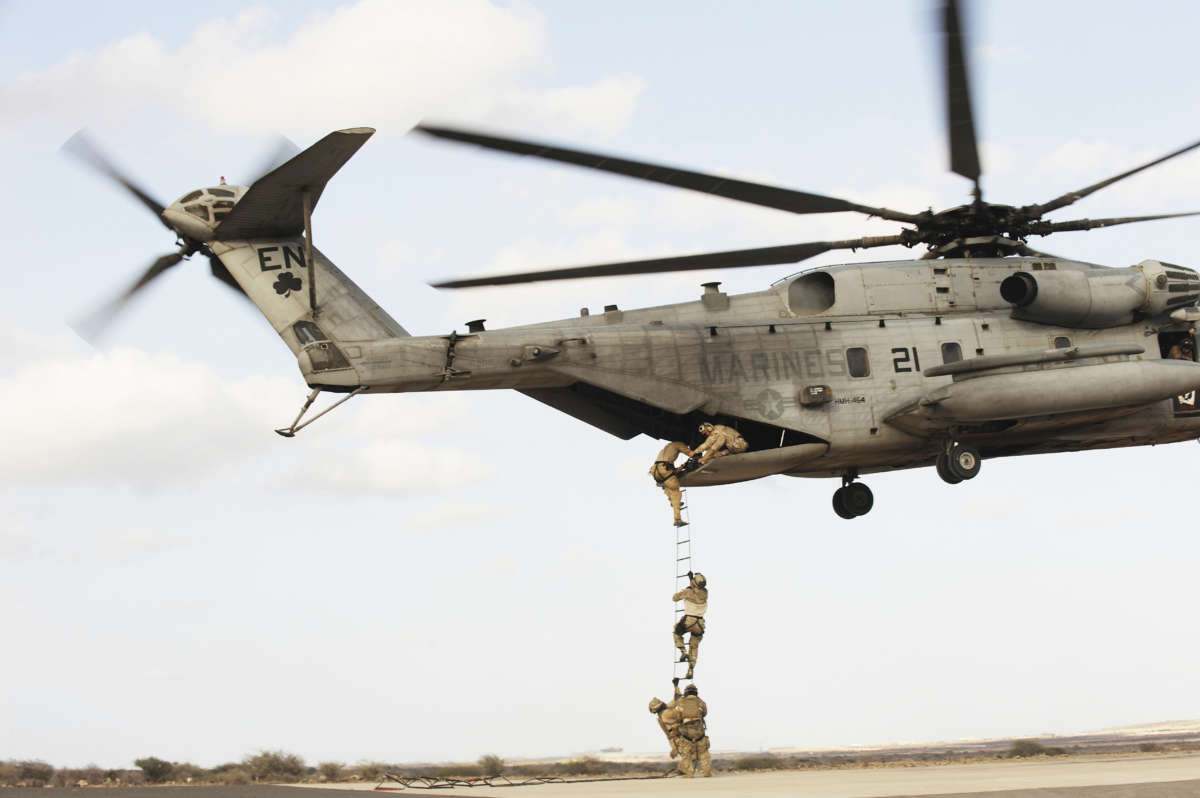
[(695, 604), (693, 734), (721, 440), (669, 718), (664, 474)]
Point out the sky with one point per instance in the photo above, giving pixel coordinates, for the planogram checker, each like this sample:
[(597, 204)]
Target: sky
[(435, 577)]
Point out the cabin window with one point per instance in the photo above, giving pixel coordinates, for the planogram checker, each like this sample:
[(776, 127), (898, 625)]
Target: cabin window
[(221, 192), (811, 293), (308, 333), (1062, 342), (199, 211), (195, 195), (951, 352), (857, 362)]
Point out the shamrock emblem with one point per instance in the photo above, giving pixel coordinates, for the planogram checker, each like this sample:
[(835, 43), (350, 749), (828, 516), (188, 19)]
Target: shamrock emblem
[(287, 283)]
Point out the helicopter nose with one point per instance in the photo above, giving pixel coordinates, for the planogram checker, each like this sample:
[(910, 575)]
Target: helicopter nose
[(189, 222)]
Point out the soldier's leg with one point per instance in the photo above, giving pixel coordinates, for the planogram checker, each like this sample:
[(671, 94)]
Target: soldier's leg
[(679, 641), (674, 495), (693, 649), (687, 754), (704, 756)]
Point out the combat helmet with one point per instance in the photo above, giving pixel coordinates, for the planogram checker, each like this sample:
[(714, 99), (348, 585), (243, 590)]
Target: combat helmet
[(705, 427), (691, 689), (656, 705), (698, 580)]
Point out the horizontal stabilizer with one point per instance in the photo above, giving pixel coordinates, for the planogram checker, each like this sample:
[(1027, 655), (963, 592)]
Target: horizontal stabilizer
[(273, 207)]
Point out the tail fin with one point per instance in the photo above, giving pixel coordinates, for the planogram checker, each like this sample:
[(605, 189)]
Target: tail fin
[(261, 243)]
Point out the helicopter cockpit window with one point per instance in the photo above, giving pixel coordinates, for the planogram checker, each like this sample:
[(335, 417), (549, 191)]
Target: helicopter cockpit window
[(221, 209), (199, 211), (951, 352), (221, 192), (195, 195), (857, 362), (1062, 342), (811, 293)]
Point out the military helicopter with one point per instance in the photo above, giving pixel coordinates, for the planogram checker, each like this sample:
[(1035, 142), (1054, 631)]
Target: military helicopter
[(983, 347)]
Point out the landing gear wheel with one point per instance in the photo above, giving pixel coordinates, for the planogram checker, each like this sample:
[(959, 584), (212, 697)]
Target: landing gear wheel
[(858, 498), (839, 504), (964, 461), (943, 470)]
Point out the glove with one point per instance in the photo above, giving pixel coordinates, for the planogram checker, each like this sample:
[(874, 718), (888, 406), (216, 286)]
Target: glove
[(690, 574), (675, 681)]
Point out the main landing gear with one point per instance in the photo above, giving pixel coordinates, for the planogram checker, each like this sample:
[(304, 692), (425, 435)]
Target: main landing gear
[(852, 499), (957, 462)]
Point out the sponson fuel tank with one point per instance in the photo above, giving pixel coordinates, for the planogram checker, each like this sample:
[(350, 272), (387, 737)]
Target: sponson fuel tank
[(1097, 297), (1070, 389)]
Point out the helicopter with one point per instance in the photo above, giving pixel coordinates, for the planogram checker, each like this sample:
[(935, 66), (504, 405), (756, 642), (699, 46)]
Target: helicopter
[(982, 347)]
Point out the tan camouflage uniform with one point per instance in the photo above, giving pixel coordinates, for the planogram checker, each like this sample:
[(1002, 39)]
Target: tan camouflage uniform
[(663, 472), (693, 736), (669, 718), (695, 604), (721, 440)]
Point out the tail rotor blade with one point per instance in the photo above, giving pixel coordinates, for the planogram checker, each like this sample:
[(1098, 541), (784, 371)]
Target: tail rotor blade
[(80, 146), (280, 152), (94, 325), (221, 273)]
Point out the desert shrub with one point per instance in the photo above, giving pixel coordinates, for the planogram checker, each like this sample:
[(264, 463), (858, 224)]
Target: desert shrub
[(274, 766), (755, 763), (34, 772), (234, 775), (370, 771), (490, 765), (1149, 747), (330, 771), (9, 774), (156, 770), (1022, 748), (457, 770), (189, 772)]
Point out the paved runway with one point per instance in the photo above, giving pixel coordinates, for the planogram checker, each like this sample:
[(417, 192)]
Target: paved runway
[(1134, 777)]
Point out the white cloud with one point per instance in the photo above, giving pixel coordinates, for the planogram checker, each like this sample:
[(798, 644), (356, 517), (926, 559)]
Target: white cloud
[(371, 62), (151, 421), (129, 417), (394, 468)]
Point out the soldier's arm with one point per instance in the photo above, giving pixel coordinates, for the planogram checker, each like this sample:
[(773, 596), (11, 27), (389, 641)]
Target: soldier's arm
[(703, 707), (679, 596), (709, 442)]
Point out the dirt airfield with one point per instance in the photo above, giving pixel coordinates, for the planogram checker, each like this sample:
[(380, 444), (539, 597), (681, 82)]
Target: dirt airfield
[(1163, 776)]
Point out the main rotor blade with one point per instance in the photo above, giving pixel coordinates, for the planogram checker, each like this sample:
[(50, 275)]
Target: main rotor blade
[(755, 193), (762, 256), (81, 147), (94, 325), (1073, 196), (964, 151), (1045, 228)]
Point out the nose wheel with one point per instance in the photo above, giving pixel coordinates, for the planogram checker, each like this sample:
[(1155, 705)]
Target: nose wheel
[(852, 499), (958, 462)]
